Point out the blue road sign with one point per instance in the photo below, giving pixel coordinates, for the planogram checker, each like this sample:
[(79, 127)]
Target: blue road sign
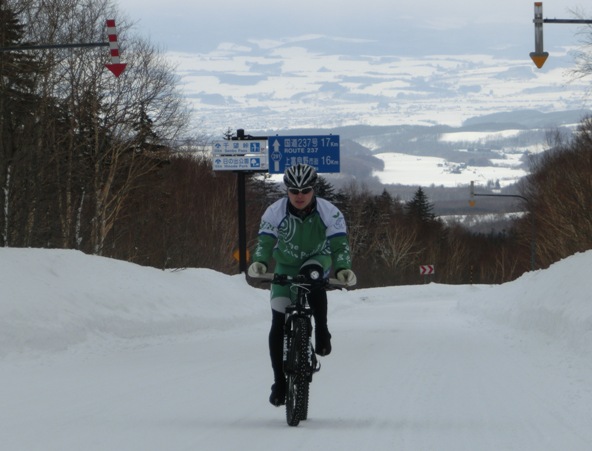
[(321, 151)]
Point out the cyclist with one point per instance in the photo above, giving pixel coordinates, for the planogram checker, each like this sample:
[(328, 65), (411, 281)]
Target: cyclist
[(294, 230)]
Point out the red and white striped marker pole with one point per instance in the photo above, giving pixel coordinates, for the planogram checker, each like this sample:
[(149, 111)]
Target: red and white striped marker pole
[(116, 66)]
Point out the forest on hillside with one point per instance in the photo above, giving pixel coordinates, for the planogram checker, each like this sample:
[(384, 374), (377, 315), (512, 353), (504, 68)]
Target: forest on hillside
[(107, 166)]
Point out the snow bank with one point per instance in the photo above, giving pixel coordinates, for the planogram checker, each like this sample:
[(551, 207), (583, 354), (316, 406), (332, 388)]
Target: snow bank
[(555, 302), (53, 299)]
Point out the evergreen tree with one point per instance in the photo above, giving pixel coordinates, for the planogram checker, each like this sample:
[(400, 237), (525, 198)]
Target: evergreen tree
[(262, 192), (325, 190), (146, 138), (419, 207), (386, 203), (18, 104), (17, 68)]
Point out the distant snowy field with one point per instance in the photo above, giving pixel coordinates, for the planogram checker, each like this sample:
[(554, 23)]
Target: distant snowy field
[(271, 85), (427, 171), (424, 171), (283, 84)]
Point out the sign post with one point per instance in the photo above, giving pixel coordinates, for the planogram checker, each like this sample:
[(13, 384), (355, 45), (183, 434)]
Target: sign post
[(426, 271), (241, 154), (539, 56)]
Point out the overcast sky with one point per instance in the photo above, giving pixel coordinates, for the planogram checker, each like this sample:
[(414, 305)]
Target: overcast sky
[(198, 26)]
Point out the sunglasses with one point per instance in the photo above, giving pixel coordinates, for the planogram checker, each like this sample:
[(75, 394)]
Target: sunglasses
[(297, 191)]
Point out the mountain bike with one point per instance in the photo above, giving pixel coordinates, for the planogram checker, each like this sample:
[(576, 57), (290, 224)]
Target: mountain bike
[(300, 361)]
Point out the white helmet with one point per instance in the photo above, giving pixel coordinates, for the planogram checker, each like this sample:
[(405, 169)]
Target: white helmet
[(300, 176)]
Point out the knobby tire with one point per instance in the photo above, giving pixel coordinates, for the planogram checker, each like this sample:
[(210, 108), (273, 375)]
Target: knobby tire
[(298, 377)]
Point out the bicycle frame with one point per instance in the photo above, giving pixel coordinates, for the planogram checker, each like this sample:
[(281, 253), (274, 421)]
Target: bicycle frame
[(300, 310), (299, 358)]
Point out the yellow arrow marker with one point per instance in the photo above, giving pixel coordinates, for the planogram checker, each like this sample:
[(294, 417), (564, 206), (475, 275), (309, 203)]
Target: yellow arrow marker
[(236, 255), (539, 58)]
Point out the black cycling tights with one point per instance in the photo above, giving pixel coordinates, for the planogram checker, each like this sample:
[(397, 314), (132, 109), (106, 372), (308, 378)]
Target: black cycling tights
[(318, 303), (276, 343)]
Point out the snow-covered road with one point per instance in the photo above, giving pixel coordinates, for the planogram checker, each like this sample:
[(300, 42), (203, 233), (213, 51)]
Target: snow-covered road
[(413, 368)]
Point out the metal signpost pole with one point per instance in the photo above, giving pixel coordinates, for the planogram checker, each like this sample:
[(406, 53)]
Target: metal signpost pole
[(242, 222), (242, 204), (242, 213)]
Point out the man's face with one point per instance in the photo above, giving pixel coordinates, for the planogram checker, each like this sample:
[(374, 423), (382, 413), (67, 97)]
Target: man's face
[(300, 198)]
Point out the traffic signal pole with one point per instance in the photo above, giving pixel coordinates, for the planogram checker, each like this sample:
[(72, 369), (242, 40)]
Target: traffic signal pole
[(116, 67), (473, 194), (539, 56)]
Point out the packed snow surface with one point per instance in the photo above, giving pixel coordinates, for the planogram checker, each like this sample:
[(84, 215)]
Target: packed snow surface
[(99, 354)]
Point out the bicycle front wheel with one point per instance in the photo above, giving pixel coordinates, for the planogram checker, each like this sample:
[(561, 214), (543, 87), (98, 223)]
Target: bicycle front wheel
[(298, 379)]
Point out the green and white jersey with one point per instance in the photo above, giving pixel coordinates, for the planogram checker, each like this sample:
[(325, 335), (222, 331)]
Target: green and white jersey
[(291, 241)]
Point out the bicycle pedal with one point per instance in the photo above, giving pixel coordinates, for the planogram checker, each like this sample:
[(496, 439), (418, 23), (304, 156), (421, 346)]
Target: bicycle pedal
[(316, 367)]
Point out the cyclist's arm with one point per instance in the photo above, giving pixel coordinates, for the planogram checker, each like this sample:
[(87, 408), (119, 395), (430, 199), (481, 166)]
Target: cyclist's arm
[(340, 252), (268, 231), (264, 249)]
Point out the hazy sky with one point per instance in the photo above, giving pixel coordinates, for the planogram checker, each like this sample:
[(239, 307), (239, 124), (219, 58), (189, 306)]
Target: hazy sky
[(198, 26), (348, 11)]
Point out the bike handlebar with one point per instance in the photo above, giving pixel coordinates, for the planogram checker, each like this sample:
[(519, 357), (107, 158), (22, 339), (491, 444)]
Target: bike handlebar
[(283, 279)]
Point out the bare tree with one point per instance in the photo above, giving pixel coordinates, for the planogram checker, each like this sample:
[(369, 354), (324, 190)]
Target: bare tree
[(560, 190), (100, 135), (397, 245), (356, 215), (583, 55)]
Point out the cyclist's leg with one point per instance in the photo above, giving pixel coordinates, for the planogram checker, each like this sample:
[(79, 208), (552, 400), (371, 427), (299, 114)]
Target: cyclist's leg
[(318, 302), (280, 299), (276, 347)]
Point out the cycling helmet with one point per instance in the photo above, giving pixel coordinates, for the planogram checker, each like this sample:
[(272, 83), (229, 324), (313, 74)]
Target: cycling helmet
[(300, 176)]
